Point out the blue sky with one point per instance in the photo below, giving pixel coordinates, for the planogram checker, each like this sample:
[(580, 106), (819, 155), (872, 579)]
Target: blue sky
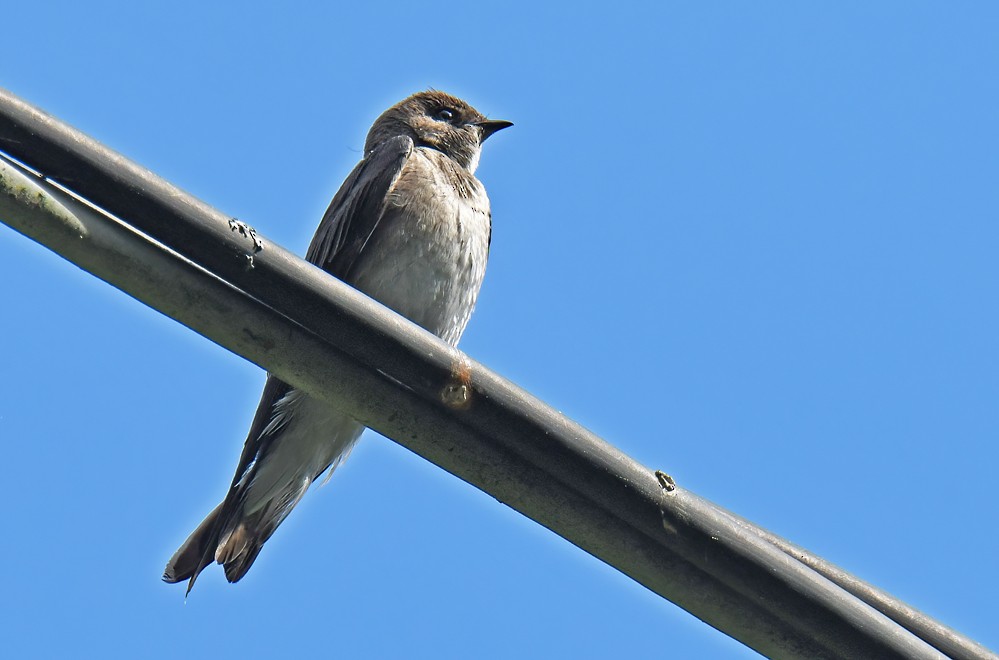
[(751, 244)]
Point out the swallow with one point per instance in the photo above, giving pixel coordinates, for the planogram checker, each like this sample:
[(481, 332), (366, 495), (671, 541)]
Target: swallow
[(410, 227)]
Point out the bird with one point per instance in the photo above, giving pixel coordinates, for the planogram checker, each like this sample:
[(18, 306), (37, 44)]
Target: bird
[(411, 227)]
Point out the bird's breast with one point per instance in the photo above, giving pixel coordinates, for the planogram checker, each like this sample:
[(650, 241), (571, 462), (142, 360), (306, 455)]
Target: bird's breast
[(428, 256)]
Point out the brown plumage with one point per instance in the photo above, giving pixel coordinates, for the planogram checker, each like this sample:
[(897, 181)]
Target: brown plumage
[(410, 227)]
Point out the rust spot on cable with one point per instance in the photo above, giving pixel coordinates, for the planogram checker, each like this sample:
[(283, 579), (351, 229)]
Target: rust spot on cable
[(457, 391)]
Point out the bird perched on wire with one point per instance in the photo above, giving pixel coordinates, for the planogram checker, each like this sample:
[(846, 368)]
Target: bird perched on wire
[(411, 228)]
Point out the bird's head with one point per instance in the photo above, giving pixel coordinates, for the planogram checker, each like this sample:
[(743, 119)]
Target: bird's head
[(438, 121)]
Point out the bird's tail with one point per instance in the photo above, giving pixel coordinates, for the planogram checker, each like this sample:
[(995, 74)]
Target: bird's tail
[(196, 553), (231, 538), (290, 444)]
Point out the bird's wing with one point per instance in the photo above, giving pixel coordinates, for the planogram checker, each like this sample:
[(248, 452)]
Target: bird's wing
[(356, 209), (349, 222), (347, 226)]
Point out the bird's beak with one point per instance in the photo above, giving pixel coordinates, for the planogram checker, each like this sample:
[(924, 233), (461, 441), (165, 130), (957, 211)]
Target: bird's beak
[(489, 126)]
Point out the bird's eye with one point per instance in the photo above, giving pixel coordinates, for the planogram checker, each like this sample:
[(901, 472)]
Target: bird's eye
[(445, 114)]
